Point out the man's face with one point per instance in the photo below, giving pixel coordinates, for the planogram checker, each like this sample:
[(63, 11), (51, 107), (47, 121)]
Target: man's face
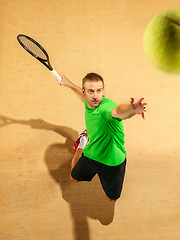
[(94, 93)]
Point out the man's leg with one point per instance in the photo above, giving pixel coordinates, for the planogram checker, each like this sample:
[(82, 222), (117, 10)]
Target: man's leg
[(112, 179), (75, 159), (79, 147)]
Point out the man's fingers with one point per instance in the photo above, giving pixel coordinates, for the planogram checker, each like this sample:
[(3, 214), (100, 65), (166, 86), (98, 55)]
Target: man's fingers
[(142, 114), (132, 102), (145, 103), (58, 82), (140, 100), (132, 99)]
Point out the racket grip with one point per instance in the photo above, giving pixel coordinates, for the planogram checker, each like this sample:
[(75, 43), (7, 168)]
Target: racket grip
[(56, 75)]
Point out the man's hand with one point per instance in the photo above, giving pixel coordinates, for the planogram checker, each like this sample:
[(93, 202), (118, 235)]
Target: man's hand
[(139, 106), (65, 81)]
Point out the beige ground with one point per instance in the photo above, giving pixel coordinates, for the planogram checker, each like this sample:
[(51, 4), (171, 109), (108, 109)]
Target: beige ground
[(40, 120)]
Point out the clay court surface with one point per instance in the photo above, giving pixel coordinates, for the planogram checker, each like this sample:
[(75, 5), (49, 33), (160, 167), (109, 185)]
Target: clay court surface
[(39, 121)]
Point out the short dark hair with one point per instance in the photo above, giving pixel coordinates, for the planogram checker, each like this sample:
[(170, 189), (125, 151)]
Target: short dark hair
[(93, 77)]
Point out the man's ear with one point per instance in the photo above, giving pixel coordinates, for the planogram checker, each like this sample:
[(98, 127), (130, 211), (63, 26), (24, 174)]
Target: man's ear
[(83, 90)]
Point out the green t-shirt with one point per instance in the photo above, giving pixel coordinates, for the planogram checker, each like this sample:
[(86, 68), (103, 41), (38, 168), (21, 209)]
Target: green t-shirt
[(105, 133)]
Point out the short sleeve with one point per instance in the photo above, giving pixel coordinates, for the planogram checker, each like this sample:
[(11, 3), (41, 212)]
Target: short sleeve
[(106, 111)]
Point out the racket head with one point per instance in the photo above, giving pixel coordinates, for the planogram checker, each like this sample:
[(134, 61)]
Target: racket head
[(35, 49)]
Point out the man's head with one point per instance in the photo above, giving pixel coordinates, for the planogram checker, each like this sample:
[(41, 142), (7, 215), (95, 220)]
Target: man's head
[(93, 89)]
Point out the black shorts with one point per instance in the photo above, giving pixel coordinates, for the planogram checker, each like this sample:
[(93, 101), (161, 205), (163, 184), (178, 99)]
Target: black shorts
[(111, 178)]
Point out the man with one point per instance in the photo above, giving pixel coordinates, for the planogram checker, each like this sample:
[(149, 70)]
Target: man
[(102, 152)]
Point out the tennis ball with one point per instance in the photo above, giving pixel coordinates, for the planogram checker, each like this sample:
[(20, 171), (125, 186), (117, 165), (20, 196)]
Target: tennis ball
[(161, 41)]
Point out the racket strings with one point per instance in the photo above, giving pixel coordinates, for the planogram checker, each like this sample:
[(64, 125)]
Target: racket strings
[(32, 47)]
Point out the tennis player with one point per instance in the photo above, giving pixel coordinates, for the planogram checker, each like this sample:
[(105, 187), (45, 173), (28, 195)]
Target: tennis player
[(100, 148)]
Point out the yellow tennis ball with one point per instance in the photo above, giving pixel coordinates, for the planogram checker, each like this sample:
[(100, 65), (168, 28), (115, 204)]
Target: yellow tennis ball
[(161, 41)]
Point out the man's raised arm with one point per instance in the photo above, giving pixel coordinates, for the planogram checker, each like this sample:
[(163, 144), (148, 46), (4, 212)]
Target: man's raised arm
[(77, 90)]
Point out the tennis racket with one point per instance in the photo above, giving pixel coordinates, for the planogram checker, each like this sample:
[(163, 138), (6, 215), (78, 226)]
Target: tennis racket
[(37, 51)]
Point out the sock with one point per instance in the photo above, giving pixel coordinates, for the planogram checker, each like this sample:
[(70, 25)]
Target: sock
[(83, 142)]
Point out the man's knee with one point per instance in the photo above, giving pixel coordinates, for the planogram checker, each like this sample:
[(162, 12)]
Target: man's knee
[(72, 179), (112, 200)]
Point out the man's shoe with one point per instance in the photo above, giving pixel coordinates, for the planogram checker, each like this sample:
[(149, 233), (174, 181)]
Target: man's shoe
[(76, 144)]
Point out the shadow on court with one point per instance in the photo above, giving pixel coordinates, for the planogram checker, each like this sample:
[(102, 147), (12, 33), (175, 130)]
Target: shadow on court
[(85, 199)]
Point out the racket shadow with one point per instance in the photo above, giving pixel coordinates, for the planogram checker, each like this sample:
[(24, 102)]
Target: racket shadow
[(85, 199)]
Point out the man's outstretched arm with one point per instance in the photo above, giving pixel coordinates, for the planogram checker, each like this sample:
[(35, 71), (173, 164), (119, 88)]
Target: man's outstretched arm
[(125, 111), (77, 90)]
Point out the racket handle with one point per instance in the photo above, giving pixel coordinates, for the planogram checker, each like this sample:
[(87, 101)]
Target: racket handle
[(56, 75)]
